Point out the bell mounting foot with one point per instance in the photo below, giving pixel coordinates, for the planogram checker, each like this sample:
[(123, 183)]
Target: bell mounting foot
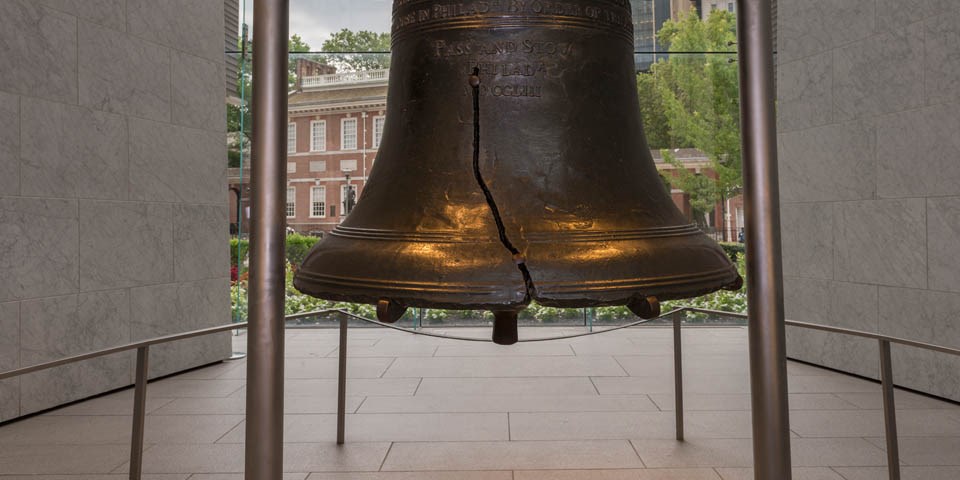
[(736, 285), (389, 311), (646, 308), (505, 327)]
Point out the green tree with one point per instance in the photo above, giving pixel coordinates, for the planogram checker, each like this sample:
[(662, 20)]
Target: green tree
[(697, 98), (239, 114), (353, 44)]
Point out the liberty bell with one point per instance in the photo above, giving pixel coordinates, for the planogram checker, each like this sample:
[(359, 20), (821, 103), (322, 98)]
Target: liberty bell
[(513, 168)]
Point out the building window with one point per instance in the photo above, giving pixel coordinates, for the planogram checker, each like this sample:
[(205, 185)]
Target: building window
[(348, 198), (291, 202), (318, 166), (729, 6), (318, 136), (291, 138), (378, 123), (348, 134), (291, 167), (348, 165), (318, 202), (713, 6)]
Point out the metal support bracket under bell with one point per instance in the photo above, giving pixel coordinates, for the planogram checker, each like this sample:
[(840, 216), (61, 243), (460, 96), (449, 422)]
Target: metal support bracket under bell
[(505, 327), (646, 308), (389, 311)]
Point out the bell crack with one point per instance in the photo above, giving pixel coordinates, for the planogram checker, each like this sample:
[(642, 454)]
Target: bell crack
[(518, 257)]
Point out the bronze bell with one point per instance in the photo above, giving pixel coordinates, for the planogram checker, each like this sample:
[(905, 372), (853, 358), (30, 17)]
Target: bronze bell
[(513, 167)]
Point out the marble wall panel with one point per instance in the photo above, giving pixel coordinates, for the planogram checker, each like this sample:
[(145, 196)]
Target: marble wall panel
[(39, 48), (70, 151), (176, 164), (897, 13), (918, 152), (125, 244), (807, 99), (889, 170), (806, 27), (923, 315), (882, 242), (40, 255), (57, 327), (9, 359), (880, 74), (807, 236), (943, 243), (832, 303), (197, 90), (9, 144), (109, 13), (200, 242), (191, 26), (122, 74), (931, 372), (168, 309), (834, 162), (941, 61)]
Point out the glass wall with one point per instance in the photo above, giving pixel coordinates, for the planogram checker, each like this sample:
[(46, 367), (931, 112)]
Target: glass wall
[(339, 63)]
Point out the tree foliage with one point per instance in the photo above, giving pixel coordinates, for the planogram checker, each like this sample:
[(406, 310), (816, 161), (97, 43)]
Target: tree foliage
[(240, 114), (353, 44), (693, 101)]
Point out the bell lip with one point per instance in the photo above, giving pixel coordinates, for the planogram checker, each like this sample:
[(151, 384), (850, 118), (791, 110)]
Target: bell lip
[(491, 297)]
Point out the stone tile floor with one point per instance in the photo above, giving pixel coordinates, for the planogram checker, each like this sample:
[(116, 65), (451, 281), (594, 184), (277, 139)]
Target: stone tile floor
[(420, 408)]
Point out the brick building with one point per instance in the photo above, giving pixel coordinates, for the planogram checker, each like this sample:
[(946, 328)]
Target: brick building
[(335, 125), (727, 218)]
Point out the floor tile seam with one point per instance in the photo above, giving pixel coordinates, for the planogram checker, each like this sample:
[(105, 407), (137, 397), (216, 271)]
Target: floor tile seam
[(622, 368), (633, 447), (595, 387), (386, 455), (417, 388), (231, 429), (359, 405), (834, 470), (126, 462), (385, 370)]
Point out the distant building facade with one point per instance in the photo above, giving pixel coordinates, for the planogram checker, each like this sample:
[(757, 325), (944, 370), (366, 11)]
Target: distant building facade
[(726, 220), (334, 128)]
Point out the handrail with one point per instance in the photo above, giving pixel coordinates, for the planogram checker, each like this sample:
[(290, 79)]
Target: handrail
[(874, 336), (142, 347), (119, 348)]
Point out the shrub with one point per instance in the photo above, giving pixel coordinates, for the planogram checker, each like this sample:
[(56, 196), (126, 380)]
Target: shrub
[(238, 253), (298, 246), (733, 250), (296, 250)]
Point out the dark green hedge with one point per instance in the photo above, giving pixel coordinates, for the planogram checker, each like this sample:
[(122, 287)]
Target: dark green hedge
[(733, 250), (297, 248)]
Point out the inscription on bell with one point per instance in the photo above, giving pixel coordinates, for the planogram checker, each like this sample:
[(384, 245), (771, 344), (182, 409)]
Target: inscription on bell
[(442, 48), (598, 11)]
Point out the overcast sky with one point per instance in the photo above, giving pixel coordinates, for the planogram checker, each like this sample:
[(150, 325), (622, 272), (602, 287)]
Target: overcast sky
[(315, 20)]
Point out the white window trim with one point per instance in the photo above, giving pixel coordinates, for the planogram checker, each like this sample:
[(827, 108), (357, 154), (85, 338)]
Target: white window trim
[(343, 133), (356, 164), (323, 128), (292, 137), (322, 188), (378, 141), (294, 202)]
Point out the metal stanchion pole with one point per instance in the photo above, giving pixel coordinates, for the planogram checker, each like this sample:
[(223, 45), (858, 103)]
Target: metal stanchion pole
[(767, 339), (678, 373), (342, 381), (889, 412), (264, 436)]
